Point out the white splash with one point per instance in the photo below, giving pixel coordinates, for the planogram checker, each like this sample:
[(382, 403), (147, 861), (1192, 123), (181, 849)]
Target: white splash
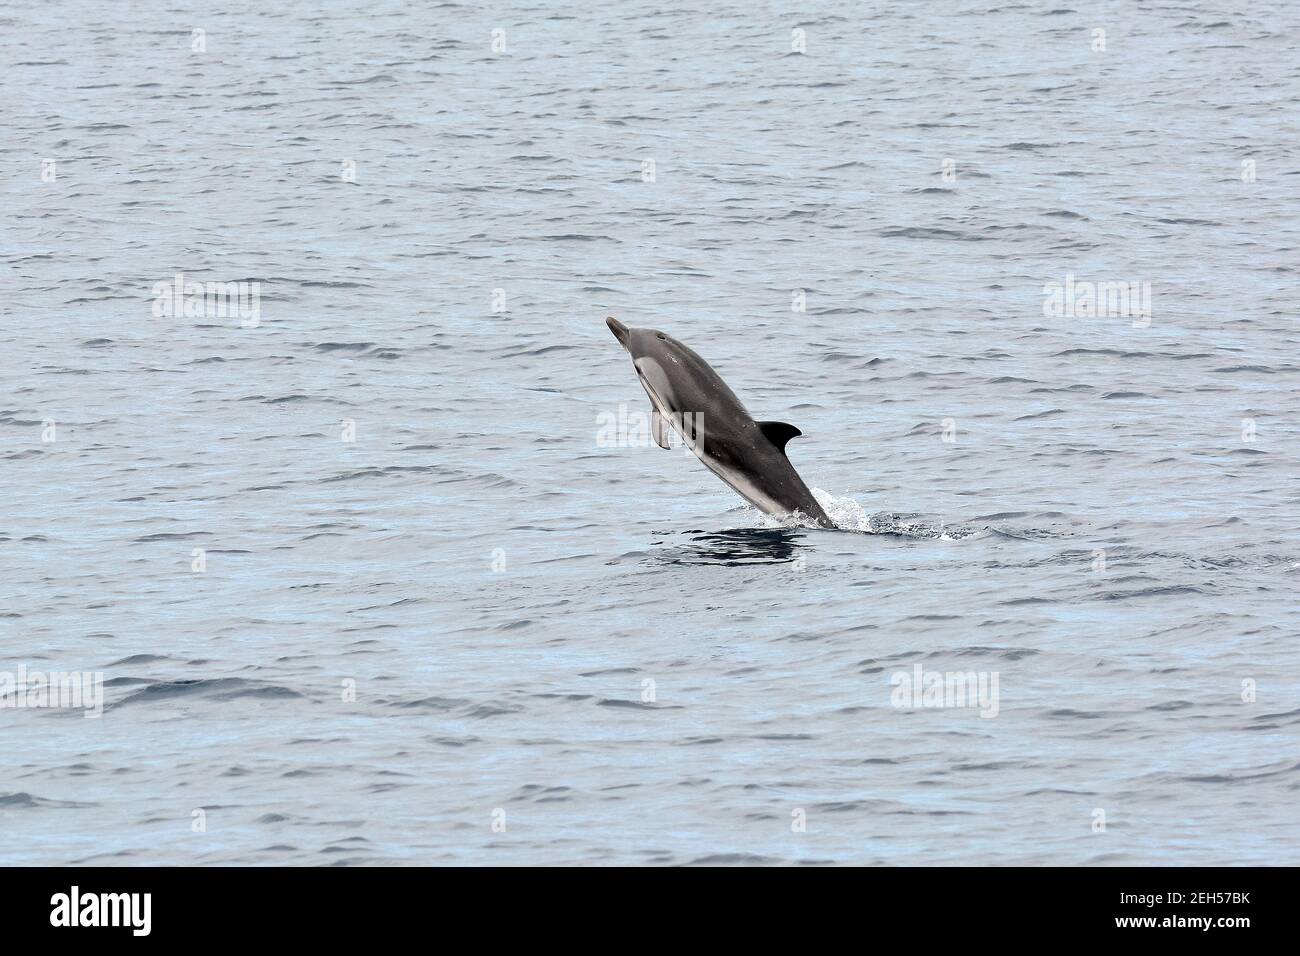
[(848, 515)]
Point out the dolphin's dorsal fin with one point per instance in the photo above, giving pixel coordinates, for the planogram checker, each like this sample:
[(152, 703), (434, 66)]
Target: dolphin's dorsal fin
[(658, 428), (778, 433)]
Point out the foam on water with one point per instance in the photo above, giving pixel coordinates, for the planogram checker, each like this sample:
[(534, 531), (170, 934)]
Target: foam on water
[(849, 515)]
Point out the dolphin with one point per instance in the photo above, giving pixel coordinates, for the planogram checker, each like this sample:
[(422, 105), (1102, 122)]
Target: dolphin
[(686, 393)]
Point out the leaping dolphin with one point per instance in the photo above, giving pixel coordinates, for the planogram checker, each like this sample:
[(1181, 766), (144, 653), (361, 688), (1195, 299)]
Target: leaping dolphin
[(691, 397)]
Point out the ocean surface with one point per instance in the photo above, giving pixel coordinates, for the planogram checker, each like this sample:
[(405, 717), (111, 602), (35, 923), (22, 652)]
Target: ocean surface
[(475, 632)]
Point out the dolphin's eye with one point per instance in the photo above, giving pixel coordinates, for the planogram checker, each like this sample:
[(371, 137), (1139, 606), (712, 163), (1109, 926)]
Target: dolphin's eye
[(662, 336)]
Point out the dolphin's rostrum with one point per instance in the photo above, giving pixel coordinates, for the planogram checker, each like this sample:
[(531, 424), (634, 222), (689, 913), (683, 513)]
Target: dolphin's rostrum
[(748, 455)]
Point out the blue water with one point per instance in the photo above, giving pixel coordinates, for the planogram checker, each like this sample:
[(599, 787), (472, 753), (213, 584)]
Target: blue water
[(566, 652)]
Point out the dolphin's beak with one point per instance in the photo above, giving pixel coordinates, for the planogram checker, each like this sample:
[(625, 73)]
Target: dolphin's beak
[(619, 329)]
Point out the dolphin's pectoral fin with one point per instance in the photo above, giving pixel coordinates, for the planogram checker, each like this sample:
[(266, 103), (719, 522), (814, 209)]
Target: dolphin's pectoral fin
[(778, 433), (659, 428)]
